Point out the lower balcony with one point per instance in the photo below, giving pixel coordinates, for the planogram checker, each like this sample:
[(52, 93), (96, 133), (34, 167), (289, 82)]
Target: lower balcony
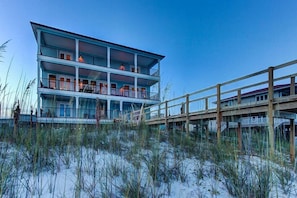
[(93, 87)]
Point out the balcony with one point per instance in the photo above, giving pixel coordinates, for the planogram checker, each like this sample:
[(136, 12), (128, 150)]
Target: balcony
[(95, 87), (126, 67)]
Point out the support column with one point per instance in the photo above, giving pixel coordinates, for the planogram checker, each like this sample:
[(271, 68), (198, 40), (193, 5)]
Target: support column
[(108, 73), (76, 49), (239, 136), (76, 106), (76, 86), (38, 83), (135, 63), (219, 115), (239, 96), (292, 86), (108, 57), (108, 83), (135, 87), (159, 83), (38, 71), (38, 42), (206, 131), (292, 141), (121, 106), (270, 111), (135, 79), (187, 114), (108, 109)]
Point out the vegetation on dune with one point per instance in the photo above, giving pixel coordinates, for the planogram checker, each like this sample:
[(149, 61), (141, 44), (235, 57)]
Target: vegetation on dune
[(135, 161)]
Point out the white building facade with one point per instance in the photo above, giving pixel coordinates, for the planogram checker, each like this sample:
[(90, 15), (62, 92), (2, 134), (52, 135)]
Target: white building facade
[(80, 77)]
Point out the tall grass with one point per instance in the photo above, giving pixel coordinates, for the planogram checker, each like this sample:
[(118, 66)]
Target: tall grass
[(134, 161)]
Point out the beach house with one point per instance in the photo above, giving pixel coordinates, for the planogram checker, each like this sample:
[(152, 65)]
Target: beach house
[(82, 79)]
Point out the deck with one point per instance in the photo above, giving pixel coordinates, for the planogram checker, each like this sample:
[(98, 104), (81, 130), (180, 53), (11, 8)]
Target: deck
[(202, 106)]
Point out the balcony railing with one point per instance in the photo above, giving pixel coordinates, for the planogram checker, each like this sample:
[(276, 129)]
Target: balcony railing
[(67, 85), (92, 60), (80, 113)]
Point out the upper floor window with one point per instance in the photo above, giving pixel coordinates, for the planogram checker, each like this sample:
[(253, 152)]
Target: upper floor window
[(65, 55), (261, 97)]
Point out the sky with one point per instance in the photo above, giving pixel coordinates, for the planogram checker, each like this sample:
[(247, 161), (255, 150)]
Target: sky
[(205, 42)]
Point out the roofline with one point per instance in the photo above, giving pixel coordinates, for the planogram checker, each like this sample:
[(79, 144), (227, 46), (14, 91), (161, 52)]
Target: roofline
[(258, 91), (94, 39)]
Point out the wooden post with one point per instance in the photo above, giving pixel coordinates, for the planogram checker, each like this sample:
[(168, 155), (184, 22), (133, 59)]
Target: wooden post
[(159, 111), (239, 96), (219, 115), (239, 138), (270, 110), (206, 131), (206, 104), (187, 114), (292, 141), (292, 86)]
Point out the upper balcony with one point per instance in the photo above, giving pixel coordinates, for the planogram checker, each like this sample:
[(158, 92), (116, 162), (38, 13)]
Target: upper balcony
[(73, 47)]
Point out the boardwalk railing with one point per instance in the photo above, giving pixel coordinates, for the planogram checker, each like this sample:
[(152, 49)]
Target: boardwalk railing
[(231, 99), (229, 94)]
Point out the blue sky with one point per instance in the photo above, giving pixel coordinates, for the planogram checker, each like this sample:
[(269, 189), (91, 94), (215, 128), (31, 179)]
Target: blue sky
[(205, 41)]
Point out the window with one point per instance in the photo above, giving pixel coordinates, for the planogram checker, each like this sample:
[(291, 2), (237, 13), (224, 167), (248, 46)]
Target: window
[(62, 83), (67, 84), (65, 110), (261, 97), (65, 55), (93, 85), (126, 90), (52, 81), (113, 88), (103, 88), (143, 92)]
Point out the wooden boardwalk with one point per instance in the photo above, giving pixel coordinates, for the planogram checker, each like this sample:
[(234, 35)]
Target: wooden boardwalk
[(226, 102)]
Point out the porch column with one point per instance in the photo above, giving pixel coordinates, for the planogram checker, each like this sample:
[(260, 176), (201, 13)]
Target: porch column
[(292, 141), (76, 88), (38, 41), (187, 114), (135, 79), (121, 106), (76, 49), (239, 139), (108, 83), (135, 88), (206, 131), (219, 115), (159, 83), (108, 109), (38, 71), (292, 86), (76, 106), (108, 57)]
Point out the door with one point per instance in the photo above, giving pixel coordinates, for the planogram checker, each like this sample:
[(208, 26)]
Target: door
[(52, 81), (64, 110)]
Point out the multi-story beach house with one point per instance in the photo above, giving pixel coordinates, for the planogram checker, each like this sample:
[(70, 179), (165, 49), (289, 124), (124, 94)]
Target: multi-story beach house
[(256, 97), (80, 77)]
